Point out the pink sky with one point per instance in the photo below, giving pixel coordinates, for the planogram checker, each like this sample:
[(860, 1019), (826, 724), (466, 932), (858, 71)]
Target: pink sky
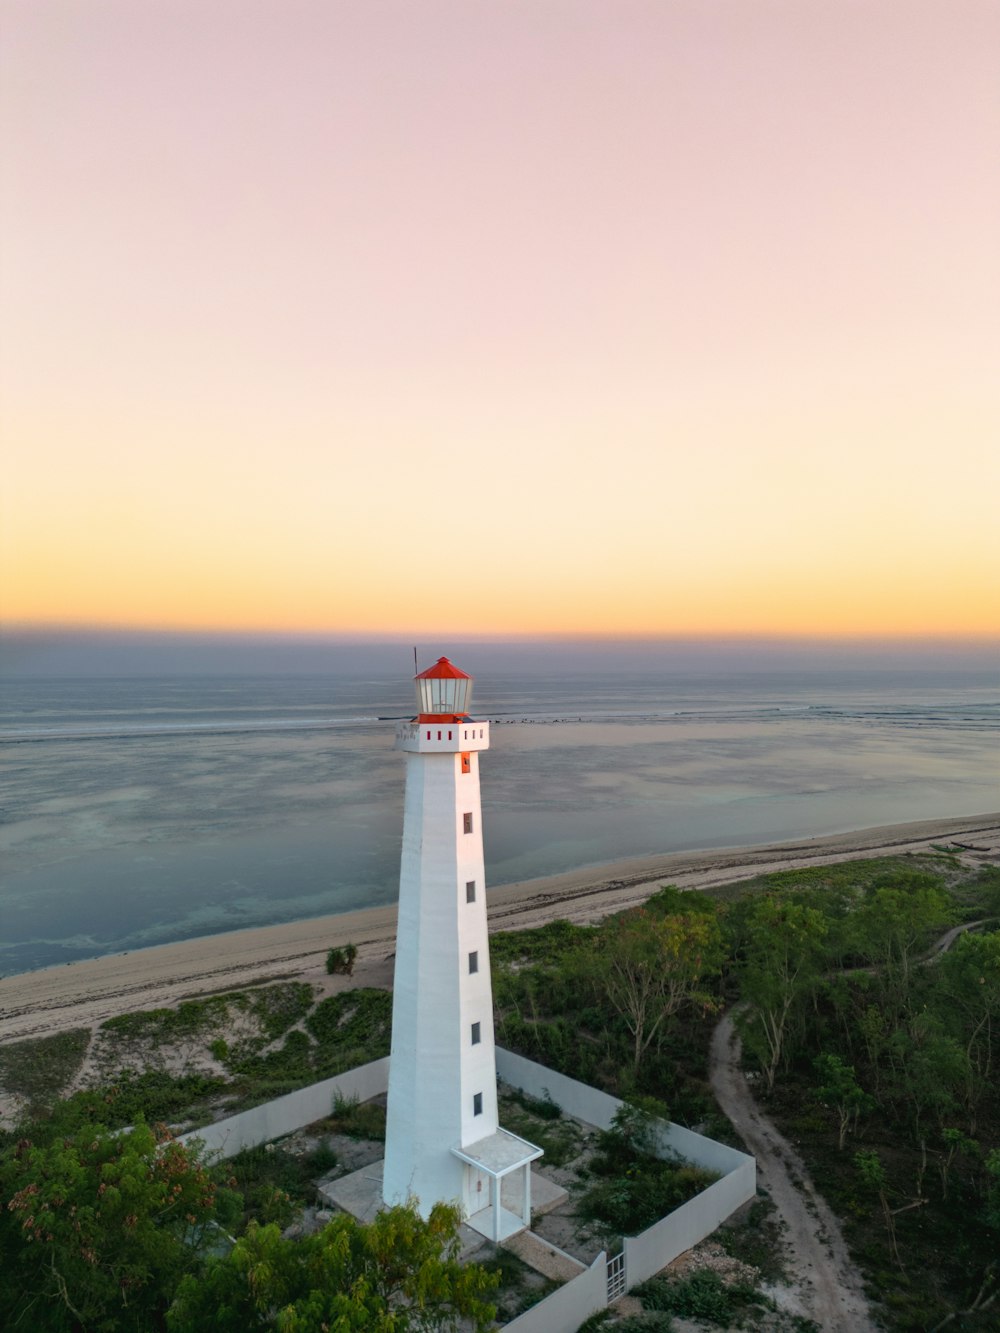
[(617, 317)]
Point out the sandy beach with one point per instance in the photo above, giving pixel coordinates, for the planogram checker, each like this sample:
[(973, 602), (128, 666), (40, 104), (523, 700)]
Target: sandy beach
[(36, 1004)]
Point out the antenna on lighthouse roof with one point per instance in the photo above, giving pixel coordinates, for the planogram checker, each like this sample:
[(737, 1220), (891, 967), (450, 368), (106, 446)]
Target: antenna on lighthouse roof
[(416, 669)]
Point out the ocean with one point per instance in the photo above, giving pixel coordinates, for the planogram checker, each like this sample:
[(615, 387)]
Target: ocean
[(150, 806)]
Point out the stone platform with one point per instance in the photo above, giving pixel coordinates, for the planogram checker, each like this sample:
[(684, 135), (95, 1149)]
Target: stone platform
[(360, 1195)]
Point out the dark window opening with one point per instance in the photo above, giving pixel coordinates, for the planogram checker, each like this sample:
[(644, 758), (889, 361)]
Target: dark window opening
[(470, 891), (477, 1104), (467, 822), (474, 961), (477, 1033)]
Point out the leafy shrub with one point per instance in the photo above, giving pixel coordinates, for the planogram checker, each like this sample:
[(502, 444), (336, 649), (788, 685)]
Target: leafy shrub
[(703, 1295), (543, 1107), (595, 1321), (342, 960), (635, 1188)]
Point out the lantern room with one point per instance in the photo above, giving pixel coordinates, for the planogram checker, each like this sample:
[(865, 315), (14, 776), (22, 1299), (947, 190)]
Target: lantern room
[(443, 690)]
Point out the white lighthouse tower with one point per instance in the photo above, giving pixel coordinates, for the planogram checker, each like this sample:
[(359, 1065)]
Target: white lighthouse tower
[(443, 1142)]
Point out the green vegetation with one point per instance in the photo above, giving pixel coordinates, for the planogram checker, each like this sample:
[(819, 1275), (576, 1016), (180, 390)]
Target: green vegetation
[(541, 1122), (518, 1287), (877, 1059), (272, 1010), (626, 1006), (342, 960), (273, 1183), (862, 1045), (40, 1070), (358, 1120), (98, 1228), (105, 1232), (704, 1295), (883, 1073), (634, 1187), (395, 1275)]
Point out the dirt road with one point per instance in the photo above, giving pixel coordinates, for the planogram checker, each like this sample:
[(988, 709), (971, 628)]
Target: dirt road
[(825, 1285)]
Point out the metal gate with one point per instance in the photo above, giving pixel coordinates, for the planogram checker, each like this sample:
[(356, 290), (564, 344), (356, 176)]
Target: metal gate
[(616, 1277)]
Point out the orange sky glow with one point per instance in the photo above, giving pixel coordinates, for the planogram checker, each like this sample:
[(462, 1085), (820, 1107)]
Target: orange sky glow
[(572, 318)]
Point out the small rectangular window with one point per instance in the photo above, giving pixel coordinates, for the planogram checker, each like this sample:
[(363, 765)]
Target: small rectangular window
[(477, 1033), (439, 735), (466, 762), (477, 1103), (470, 891), (467, 822), (474, 961)]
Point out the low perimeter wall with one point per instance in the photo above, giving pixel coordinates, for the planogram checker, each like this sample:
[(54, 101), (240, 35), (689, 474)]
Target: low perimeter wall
[(566, 1309), (661, 1243), (273, 1120), (645, 1254)]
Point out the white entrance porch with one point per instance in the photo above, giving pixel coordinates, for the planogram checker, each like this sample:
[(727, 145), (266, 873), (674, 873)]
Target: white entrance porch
[(497, 1194)]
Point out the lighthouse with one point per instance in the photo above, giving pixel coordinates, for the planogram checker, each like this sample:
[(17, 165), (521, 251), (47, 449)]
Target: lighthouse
[(443, 1140)]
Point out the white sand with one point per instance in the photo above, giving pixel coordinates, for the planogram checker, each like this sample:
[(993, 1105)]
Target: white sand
[(35, 1004)]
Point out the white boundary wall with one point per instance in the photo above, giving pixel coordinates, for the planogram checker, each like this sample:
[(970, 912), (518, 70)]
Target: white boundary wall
[(661, 1243), (645, 1254), (566, 1309), (273, 1120)]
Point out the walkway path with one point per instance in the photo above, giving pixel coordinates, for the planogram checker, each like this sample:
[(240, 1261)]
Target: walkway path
[(826, 1287)]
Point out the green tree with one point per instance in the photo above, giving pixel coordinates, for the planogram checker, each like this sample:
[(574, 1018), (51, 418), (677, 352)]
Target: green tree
[(651, 965), (781, 965), (398, 1274), (927, 1072), (969, 978), (839, 1088), (893, 927), (99, 1227)]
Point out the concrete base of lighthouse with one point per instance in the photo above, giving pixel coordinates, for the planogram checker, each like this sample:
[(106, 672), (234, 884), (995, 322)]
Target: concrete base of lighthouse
[(360, 1195)]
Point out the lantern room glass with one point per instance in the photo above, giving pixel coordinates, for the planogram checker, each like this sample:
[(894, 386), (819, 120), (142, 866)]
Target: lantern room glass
[(444, 694)]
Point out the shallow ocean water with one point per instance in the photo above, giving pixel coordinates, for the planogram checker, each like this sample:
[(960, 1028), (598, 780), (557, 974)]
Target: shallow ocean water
[(149, 809)]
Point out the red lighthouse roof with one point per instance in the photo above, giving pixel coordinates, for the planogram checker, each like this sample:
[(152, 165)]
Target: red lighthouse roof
[(443, 691), (443, 670)]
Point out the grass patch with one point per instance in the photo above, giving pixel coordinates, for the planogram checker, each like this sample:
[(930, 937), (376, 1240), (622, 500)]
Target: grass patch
[(41, 1068), (274, 1183), (355, 1023), (560, 1139), (755, 1240), (357, 1120), (272, 1009), (704, 1295)]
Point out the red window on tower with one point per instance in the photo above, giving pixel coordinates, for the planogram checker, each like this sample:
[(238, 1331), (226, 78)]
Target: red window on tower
[(466, 762)]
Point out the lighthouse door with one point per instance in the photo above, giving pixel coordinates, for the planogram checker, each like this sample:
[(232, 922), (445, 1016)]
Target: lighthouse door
[(477, 1190)]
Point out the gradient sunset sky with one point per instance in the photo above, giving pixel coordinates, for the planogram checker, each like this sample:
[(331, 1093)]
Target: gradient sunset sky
[(502, 316)]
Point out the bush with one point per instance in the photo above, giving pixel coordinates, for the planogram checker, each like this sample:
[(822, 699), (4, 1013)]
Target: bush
[(543, 1107), (342, 960), (703, 1295)]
